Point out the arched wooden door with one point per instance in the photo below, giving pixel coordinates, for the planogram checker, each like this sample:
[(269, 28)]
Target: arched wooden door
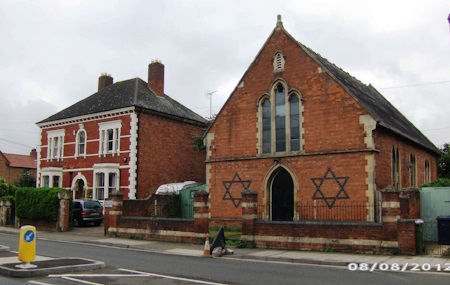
[(282, 196)]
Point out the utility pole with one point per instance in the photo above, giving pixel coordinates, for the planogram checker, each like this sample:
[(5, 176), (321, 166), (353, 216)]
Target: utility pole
[(210, 102)]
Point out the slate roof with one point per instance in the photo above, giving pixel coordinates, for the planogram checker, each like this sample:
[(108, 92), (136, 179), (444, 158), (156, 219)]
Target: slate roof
[(128, 93), (22, 161), (374, 103)]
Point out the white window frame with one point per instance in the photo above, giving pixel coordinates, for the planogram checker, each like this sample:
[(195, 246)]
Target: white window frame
[(55, 145), (106, 169), (78, 143), (103, 146), (52, 172), (43, 183)]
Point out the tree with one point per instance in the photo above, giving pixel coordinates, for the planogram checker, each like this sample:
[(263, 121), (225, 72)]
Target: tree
[(7, 191), (26, 181), (444, 162)]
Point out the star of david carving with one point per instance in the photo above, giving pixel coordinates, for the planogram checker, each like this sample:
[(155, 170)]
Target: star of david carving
[(236, 180), (341, 182)]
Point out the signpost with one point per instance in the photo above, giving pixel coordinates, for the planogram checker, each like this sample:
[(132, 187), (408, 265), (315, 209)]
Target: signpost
[(27, 247)]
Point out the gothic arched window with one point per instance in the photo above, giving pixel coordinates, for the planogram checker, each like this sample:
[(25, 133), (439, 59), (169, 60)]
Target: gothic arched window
[(280, 118)]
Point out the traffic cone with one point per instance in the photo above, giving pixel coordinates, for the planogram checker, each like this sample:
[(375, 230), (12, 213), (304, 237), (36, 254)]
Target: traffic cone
[(206, 249)]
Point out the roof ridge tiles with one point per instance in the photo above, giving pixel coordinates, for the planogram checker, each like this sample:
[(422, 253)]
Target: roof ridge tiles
[(123, 94)]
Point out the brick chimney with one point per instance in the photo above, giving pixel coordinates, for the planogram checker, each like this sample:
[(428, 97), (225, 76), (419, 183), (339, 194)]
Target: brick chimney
[(104, 80), (156, 77), (33, 153)]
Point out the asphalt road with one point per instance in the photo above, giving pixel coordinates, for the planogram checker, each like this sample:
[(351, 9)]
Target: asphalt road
[(219, 270)]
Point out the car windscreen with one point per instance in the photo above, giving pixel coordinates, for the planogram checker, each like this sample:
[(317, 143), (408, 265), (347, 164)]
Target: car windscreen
[(92, 205)]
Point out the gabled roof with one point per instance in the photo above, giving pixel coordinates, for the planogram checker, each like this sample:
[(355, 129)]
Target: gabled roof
[(133, 92), (374, 103), (21, 161), (367, 96)]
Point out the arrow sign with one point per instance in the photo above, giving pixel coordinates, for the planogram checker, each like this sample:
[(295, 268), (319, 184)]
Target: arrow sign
[(28, 236)]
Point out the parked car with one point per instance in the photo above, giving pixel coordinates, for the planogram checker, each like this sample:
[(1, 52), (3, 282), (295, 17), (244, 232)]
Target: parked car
[(87, 211)]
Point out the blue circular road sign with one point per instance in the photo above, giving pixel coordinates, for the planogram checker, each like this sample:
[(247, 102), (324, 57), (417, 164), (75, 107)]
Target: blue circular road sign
[(29, 236)]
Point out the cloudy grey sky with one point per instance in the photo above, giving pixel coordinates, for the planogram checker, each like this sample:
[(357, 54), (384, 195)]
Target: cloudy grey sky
[(52, 52)]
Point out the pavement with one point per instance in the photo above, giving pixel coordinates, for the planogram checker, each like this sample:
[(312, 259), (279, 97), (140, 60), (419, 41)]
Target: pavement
[(355, 262)]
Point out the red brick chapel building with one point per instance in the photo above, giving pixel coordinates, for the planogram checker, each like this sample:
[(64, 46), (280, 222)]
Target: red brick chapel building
[(302, 132), (128, 136)]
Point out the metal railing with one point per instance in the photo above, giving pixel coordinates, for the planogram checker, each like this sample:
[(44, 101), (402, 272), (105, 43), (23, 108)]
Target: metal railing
[(321, 211)]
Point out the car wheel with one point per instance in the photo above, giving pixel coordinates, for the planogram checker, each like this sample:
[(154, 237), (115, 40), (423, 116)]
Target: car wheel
[(77, 222)]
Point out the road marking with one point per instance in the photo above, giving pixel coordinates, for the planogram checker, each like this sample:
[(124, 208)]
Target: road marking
[(171, 277), (80, 281), (94, 275), (39, 283), (73, 277)]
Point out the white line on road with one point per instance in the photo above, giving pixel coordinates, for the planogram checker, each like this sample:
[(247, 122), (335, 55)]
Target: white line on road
[(80, 281), (39, 283), (95, 275), (73, 277), (171, 277)]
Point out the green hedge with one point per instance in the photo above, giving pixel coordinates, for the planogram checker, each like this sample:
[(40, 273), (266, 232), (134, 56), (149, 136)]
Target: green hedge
[(440, 182), (38, 203)]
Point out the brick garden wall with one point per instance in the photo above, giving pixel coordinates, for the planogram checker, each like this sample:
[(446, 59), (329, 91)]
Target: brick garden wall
[(121, 220), (150, 207), (395, 234)]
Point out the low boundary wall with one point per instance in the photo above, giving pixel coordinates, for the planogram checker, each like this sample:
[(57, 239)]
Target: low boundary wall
[(124, 223), (393, 233)]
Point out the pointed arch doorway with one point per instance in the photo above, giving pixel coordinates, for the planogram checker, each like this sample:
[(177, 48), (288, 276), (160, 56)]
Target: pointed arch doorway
[(282, 196)]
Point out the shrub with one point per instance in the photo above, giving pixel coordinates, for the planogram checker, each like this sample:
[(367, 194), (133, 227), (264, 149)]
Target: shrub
[(440, 182), (38, 203), (7, 191)]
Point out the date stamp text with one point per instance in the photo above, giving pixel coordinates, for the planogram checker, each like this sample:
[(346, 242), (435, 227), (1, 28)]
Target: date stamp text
[(399, 267)]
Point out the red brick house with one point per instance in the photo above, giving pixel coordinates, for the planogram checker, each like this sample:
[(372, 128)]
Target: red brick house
[(305, 134), (128, 136), (15, 166)]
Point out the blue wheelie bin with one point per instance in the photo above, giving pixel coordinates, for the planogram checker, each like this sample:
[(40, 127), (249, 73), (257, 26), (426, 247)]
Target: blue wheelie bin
[(443, 223)]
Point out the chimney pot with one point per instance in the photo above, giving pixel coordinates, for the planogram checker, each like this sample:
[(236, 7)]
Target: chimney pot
[(104, 81), (33, 153), (156, 77)]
